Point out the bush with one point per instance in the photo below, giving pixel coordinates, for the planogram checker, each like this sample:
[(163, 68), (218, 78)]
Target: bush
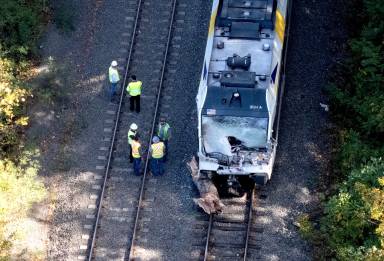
[(19, 190), (354, 218), (12, 97), (355, 151), (360, 95), (353, 221), (19, 26)]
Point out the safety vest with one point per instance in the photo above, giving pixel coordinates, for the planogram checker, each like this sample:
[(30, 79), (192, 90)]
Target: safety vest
[(157, 150), (130, 133), (134, 88), (113, 75), (135, 149), (162, 131)]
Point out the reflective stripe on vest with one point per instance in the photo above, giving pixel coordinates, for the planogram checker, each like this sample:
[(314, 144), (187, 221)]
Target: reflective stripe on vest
[(135, 149), (130, 133), (157, 150), (163, 131), (134, 88), (113, 75)]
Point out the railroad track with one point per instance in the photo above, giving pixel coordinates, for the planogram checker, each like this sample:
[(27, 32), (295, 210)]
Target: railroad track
[(121, 199), (237, 232), (234, 234)]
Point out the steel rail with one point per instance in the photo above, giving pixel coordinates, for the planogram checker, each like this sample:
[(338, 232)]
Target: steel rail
[(249, 224), (131, 251), (286, 37), (117, 117), (250, 214), (208, 237)]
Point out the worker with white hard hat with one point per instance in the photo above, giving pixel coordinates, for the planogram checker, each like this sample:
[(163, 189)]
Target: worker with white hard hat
[(131, 134), (157, 153), (114, 78)]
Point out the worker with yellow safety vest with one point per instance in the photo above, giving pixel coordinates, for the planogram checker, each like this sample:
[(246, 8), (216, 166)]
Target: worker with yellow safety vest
[(114, 78), (134, 91), (157, 154), (136, 154), (164, 133), (131, 134)]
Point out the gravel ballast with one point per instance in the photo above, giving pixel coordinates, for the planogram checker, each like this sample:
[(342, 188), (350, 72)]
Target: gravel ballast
[(86, 53), (303, 144)]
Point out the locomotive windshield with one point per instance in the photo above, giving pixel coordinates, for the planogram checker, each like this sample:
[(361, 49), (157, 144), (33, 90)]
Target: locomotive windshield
[(223, 133)]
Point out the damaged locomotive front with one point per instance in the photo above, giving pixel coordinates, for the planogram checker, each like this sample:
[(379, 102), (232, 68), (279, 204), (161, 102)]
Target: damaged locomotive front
[(239, 90)]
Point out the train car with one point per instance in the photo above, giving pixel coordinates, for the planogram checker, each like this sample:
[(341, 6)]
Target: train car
[(239, 96)]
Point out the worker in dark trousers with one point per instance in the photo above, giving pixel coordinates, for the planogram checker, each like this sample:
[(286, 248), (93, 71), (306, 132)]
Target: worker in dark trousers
[(131, 134), (114, 79), (164, 133), (134, 91), (136, 154), (157, 154)]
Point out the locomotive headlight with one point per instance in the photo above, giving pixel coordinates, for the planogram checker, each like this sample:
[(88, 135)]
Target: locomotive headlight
[(236, 95)]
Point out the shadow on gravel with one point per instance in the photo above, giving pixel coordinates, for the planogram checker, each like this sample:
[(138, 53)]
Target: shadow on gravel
[(64, 14)]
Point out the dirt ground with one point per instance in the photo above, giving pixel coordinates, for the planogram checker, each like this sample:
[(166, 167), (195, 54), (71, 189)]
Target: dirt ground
[(67, 84)]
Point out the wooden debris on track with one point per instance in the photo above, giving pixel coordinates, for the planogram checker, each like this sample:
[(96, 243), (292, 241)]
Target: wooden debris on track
[(209, 199)]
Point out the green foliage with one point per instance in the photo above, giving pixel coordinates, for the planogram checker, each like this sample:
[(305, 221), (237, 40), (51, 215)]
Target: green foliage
[(306, 228), (12, 97), (19, 189), (19, 29), (361, 95), (355, 151), (19, 26), (354, 220)]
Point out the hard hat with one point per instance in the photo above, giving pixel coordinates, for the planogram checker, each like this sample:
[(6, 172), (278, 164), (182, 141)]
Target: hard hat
[(113, 63), (155, 139), (133, 126)]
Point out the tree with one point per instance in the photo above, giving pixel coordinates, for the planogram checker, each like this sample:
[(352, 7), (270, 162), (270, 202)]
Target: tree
[(354, 218), (12, 96)]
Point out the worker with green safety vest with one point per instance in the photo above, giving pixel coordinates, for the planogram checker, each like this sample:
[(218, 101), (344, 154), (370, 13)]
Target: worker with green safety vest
[(157, 154), (114, 78), (131, 134), (134, 91), (136, 154), (164, 133)]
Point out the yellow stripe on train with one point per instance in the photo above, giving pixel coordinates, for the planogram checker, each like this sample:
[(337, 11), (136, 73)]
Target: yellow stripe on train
[(280, 26), (212, 23)]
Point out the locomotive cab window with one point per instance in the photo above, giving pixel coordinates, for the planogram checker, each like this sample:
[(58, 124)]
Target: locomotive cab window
[(227, 134)]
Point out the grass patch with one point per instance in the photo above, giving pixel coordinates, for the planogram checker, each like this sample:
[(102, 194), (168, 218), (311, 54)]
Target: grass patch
[(306, 228), (20, 189)]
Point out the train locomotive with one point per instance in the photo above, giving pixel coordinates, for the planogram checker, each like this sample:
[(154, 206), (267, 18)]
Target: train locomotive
[(240, 91)]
